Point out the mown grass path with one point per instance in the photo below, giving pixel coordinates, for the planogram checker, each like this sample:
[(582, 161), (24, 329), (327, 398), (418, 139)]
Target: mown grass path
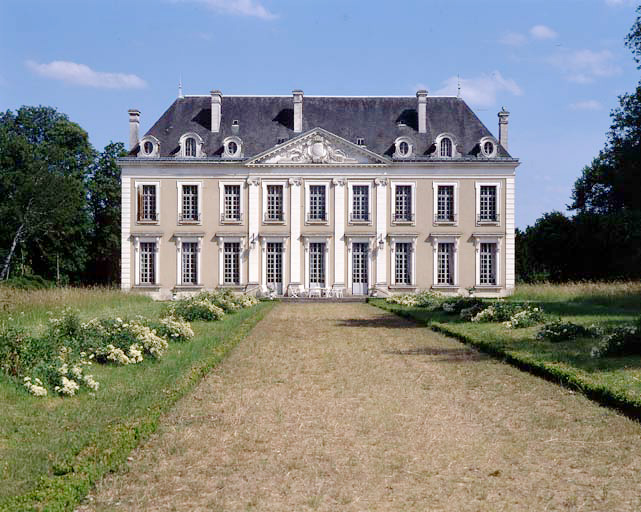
[(347, 407)]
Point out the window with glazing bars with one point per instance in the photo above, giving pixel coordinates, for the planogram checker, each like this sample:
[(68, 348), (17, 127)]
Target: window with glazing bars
[(147, 203), (274, 262), (147, 262), (274, 202), (360, 200), (445, 259), (190, 147), (487, 203), (231, 263), (403, 203), (190, 203), (445, 203), (232, 202), (446, 147), (403, 263), (317, 202), (487, 263), (190, 263), (317, 264)]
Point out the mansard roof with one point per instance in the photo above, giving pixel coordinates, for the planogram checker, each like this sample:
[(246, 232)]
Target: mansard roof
[(264, 120)]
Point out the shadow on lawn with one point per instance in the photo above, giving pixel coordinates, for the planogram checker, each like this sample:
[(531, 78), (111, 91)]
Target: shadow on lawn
[(444, 355), (392, 322)]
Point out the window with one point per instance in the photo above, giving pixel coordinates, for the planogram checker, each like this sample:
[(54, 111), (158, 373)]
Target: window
[(403, 263), (147, 203), (403, 204), (446, 147), (190, 146), (281, 140), (445, 264), (445, 204), (148, 148), (147, 263), (231, 202), (189, 252), (488, 148), (274, 210), (360, 203), (231, 263), (403, 148), (487, 204), (360, 141), (189, 210), (233, 148), (487, 264), (317, 265), (317, 207)]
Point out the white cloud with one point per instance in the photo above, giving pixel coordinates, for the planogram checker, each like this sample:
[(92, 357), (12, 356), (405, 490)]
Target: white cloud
[(480, 91), (513, 39), (238, 7), (80, 74), (583, 66), (543, 32), (586, 105)]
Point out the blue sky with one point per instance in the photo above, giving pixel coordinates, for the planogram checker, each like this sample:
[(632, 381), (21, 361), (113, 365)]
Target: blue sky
[(558, 67)]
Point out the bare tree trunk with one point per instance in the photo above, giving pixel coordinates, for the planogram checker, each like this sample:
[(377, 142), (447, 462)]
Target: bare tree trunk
[(7, 262)]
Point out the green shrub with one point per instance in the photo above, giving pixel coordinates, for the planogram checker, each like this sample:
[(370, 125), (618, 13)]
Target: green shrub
[(427, 299), (499, 311), (455, 305), (28, 282), (527, 317), (210, 306), (558, 331), (621, 341)]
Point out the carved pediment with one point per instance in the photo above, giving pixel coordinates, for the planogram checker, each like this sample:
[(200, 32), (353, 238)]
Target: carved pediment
[(318, 147)]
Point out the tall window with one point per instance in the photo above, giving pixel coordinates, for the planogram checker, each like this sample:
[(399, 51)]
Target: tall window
[(274, 203), (487, 263), (189, 263), (274, 263), (147, 203), (232, 203), (231, 263), (360, 203), (317, 210), (445, 269), (190, 204), (190, 146), (403, 264), (445, 203), (403, 204), (487, 204), (446, 147), (147, 262), (317, 264)]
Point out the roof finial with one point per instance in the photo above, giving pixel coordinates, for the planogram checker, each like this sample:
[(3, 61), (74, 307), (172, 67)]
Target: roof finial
[(458, 79), (180, 87)]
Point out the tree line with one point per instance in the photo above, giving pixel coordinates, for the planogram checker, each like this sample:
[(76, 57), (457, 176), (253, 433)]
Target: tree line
[(60, 205), (601, 239)]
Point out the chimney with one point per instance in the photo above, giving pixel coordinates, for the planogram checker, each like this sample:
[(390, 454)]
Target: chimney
[(503, 120), (422, 110), (216, 101), (298, 110), (134, 124)]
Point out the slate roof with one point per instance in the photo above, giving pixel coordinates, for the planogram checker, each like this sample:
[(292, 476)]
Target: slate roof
[(263, 120)]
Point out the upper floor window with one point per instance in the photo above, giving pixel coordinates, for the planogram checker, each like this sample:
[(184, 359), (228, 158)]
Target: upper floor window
[(403, 203), (148, 148), (317, 209), (231, 203), (360, 204), (488, 147), (487, 203), (232, 147), (446, 147), (445, 203), (189, 208), (274, 211), (147, 202), (403, 147), (190, 146)]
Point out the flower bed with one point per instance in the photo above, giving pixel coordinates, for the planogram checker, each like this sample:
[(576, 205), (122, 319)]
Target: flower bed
[(558, 331)]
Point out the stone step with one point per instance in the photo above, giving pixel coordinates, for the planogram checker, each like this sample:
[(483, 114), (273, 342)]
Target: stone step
[(322, 299)]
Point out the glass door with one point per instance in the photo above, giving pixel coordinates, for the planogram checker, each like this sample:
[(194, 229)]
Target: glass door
[(275, 267), (360, 258)]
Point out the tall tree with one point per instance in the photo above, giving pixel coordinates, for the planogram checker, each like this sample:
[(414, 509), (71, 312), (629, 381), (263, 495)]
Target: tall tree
[(104, 207), (43, 160)]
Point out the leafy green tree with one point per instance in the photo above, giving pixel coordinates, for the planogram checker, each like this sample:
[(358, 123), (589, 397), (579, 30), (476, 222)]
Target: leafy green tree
[(43, 161), (104, 206)]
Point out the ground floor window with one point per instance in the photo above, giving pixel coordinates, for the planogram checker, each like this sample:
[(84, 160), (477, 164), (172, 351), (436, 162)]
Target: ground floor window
[(403, 264), (275, 265), (231, 263), (147, 262), (317, 264), (189, 263), (445, 261), (487, 263)]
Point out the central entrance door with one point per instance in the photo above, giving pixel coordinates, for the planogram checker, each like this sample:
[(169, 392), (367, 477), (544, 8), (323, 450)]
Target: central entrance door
[(360, 274), (275, 266)]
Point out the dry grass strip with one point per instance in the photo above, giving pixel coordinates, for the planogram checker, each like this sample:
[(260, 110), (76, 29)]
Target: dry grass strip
[(347, 407)]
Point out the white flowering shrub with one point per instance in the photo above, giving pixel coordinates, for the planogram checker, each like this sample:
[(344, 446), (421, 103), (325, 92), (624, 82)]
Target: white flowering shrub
[(36, 387), (502, 311), (65, 375), (426, 299), (527, 317), (558, 331), (619, 342), (175, 328), (210, 306)]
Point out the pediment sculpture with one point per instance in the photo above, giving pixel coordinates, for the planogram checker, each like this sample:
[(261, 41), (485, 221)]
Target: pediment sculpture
[(316, 150)]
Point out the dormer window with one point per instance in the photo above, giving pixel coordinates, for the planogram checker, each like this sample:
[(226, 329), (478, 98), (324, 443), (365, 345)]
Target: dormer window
[(281, 140), (233, 147), (488, 147), (190, 146), (404, 147), (446, 147), (360, 141), (149, 146)]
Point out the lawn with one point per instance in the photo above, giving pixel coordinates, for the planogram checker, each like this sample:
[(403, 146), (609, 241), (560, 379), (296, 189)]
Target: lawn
[(615, 381), (53, 449)]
